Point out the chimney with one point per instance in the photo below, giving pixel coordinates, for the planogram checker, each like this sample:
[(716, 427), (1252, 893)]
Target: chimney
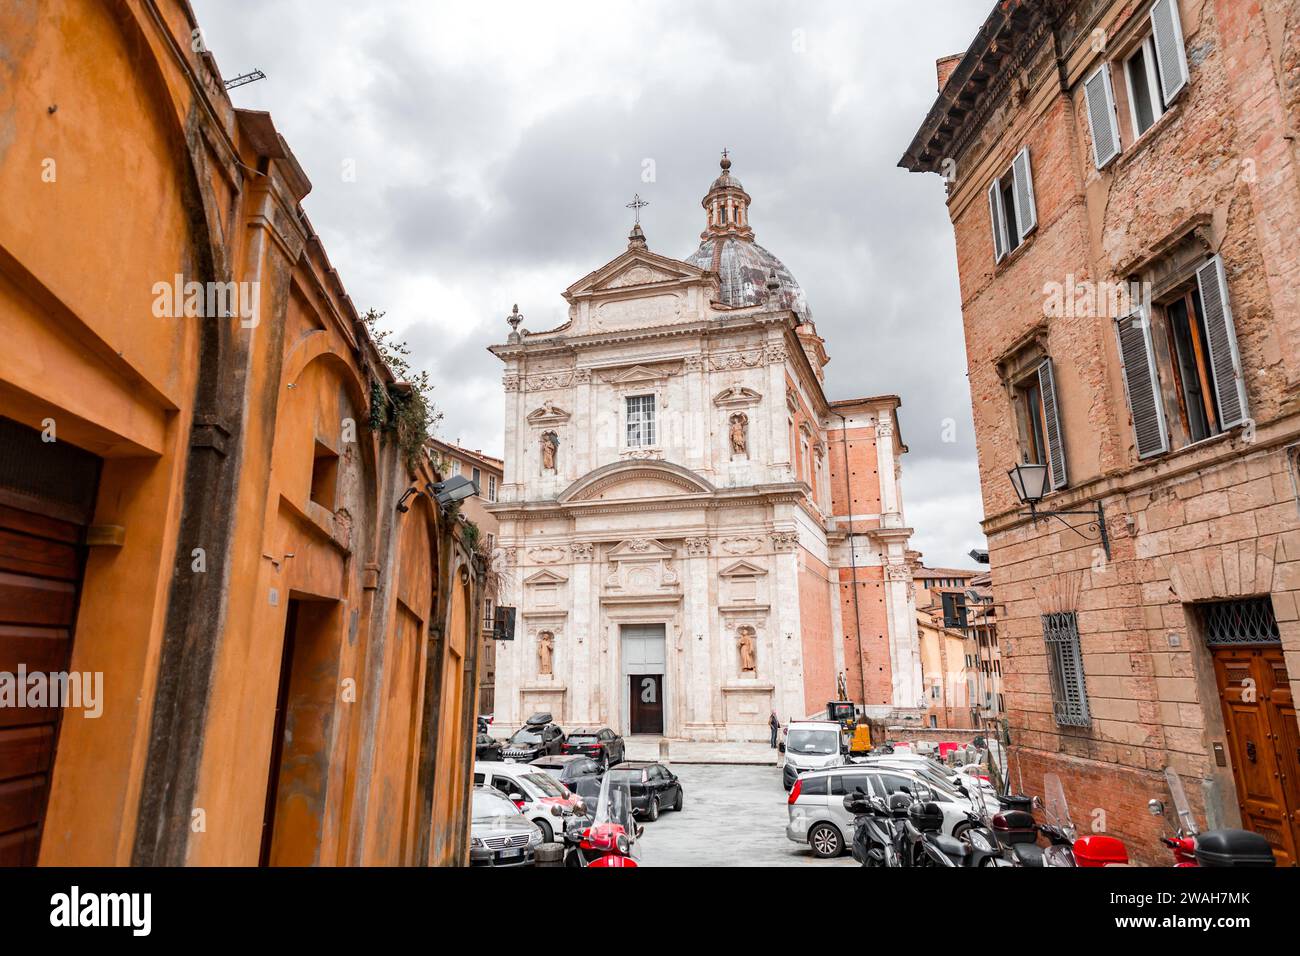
[(945, 66)]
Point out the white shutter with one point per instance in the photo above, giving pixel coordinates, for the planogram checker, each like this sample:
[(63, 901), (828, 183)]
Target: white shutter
[(1171, 56), (1026, 210), (1023, 191), (1221, 336), (1100, 100), (998, 222), (1052, 425), (1142, 383)]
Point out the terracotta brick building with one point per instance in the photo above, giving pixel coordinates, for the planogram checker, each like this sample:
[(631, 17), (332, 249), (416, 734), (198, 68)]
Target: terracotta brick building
[(1123, 187)]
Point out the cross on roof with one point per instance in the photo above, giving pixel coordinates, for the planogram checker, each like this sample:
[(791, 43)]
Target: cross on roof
[(637, 204)]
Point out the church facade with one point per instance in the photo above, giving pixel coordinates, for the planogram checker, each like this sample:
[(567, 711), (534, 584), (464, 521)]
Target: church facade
[(693, 534)]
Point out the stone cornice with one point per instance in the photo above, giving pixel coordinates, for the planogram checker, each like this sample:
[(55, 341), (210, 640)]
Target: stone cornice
[(781, 493)]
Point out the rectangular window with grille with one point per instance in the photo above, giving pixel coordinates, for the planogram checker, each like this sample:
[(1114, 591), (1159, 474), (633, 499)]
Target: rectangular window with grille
[(640, 421), (1246, 621), (1065, 663)]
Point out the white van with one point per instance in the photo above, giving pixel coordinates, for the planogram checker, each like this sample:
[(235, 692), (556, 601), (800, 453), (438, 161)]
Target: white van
[(811, 745)]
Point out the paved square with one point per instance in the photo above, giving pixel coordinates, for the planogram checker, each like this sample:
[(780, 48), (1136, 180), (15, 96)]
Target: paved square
[(731, 816)]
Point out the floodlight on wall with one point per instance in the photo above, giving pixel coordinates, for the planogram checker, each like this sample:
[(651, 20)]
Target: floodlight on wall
[(1030, 484), (454, 489)]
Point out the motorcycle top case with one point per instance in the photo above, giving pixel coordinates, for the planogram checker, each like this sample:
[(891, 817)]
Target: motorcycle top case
[(1015, 826), (1233, 848), (926, 817), (1099, 850)]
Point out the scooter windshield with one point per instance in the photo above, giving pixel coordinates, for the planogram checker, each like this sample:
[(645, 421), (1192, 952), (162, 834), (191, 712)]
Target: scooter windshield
[(612, 822), (1058, 811), (1185, 819)]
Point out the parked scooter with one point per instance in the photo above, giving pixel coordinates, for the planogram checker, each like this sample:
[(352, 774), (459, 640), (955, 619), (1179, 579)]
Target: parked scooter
[(609, 837), (1065, 847), (1213, 848), (874, 827)]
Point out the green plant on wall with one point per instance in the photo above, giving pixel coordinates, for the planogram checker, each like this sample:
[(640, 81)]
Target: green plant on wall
[(405, 412)]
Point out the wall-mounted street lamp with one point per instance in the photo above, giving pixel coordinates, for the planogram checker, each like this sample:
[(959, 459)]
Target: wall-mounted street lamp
[(454, 489), (1030, 483), (402, 505)]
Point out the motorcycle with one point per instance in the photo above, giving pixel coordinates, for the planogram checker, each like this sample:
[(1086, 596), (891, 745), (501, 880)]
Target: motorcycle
[(919, 841), (609, 837), (979, 839), (1214, 847)]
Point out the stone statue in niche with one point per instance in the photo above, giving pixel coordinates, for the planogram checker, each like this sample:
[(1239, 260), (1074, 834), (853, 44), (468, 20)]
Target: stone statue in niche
[(545, 651), (550, 445), (739, 433), (745, 643)]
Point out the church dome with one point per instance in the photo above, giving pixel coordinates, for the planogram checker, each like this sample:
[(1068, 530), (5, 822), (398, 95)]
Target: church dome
[(727, 247), (744, 268)]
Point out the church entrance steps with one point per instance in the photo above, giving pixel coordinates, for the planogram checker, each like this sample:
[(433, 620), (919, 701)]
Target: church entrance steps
[(703, 752)]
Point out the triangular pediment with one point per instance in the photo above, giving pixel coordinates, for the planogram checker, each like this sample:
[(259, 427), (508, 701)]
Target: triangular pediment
[(736, 396), (634, 268), (548, 414), (644, 549), (545, 577), (741, 569), (637, 373)]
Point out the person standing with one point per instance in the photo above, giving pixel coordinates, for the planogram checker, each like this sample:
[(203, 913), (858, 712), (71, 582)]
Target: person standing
[(775, 726)]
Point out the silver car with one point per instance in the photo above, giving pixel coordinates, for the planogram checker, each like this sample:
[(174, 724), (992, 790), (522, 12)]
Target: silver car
[(499, 834), (816, 804)]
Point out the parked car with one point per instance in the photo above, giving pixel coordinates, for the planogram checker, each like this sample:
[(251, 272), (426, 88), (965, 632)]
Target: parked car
[(569, 768), (654, 787), (539, 736), (603, 745), (933, 771), (540, 797), (487, 747), (818, 817), (810, 745), (499, 835)]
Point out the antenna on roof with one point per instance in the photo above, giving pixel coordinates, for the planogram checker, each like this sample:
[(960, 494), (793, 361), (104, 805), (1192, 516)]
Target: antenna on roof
[(245, 78)]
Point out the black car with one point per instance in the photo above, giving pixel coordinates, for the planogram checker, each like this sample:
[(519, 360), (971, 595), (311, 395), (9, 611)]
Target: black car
[(569, 768), (602, 745), (654, 787), (539, 736), (487, 747)]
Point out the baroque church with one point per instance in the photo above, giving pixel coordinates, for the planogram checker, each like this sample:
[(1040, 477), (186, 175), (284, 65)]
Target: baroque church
[(694, 535)]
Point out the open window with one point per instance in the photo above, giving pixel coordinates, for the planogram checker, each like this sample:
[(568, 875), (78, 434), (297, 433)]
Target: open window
[(1013, 212), (1038, 421), (1187, 336)]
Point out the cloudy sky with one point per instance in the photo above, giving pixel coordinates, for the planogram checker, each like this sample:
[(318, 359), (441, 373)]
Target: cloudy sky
[(495, 144)]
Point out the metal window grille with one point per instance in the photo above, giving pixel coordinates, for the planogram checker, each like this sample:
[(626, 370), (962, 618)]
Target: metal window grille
[(1065, 662), (640, 421), (1247, 621)]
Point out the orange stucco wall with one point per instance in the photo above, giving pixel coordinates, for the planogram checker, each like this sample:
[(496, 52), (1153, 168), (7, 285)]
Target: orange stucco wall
[(153, 177)]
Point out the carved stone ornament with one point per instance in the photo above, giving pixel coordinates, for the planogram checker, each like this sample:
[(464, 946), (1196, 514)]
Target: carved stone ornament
[(745, 544), (697, 547), (581, 550), (785, 540)]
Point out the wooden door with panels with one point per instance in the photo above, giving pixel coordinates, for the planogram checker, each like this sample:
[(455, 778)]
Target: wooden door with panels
[(1259, 718)]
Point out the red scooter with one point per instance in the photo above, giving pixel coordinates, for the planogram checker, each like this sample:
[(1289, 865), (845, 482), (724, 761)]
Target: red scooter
[(1065, 847), (610, 840), (1191, 847)]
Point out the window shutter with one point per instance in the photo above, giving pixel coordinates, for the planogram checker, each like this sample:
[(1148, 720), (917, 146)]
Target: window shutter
[(1171, 57), (1142, 384), (1101, 116), (1026, 213), (1221, 336), (998, 222), (1052, 425)]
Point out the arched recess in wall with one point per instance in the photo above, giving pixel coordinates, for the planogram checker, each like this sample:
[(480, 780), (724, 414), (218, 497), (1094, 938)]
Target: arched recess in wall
[(450, 766)]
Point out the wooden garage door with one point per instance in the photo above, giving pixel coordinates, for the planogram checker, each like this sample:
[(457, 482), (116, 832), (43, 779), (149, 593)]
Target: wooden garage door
[(46, 493)]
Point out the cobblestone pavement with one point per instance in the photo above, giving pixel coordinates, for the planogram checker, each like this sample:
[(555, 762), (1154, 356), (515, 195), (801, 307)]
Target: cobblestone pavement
[(732, 815)]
